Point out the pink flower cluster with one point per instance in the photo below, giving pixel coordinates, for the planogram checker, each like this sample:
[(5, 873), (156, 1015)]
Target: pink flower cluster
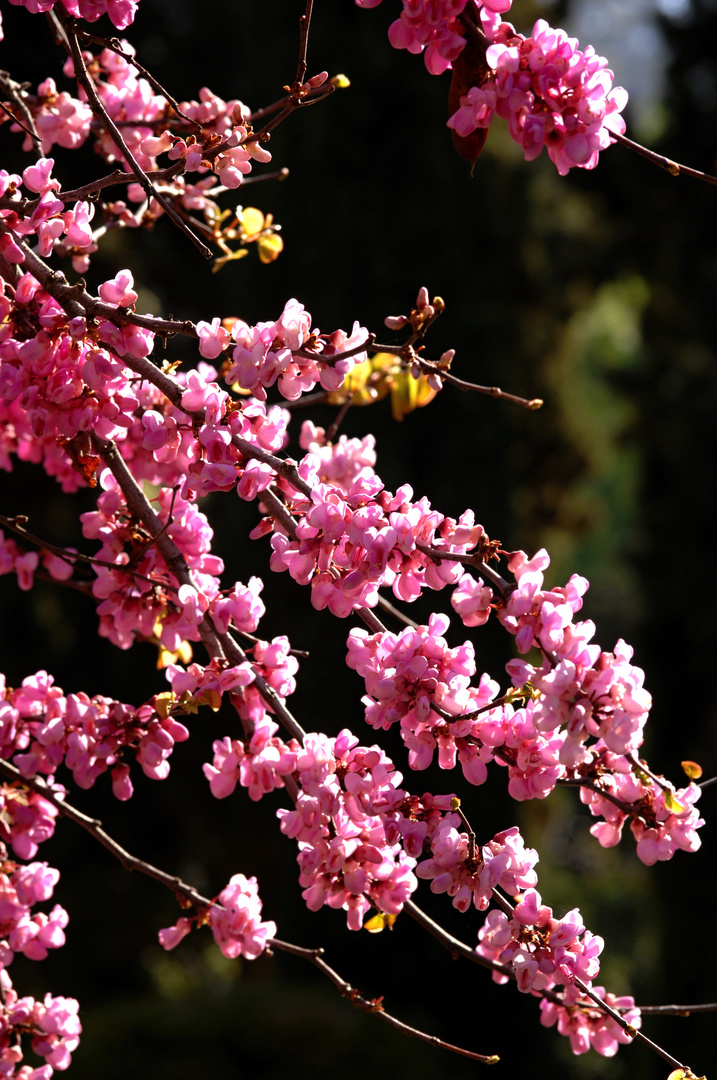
[(350, 543), (235, 919), (543, 951), (667, 818), (432, 25), (52, 1024), (45, 217), (142, 590), (223, 143), (121, 12), (586, 1025), (592, 693), (551, 93), (350, 854), (579, 708), (21, 887), (342, 462), (259, 764), (407, 675), (504, 863), (236, 925), (63, 380), (26, 820), (272, 660), (41, 728), (271, 352)]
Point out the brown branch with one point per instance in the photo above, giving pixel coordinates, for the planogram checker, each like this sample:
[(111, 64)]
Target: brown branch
[(389, 608), (642, 766), (217, 645), (374, 1006), (626, 808), (662, 162), (633, 1032), (676, 1010), (411, 357), (94, 828), (285, 467), (332, 360), (254, 178), (117, 177), (475, 561), (17, 525), (75, 300), (304, 27), (310, 95)]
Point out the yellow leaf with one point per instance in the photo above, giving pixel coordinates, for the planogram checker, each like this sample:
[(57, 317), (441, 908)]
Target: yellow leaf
[(269, 246), (252, 220), (673, 805), (379, 922), (404, 394), (212, 698), (374, 379), (167, 657), (163, 704), (366, 382)]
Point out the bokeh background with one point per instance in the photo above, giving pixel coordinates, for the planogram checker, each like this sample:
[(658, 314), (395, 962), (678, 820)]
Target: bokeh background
[(595, 292)]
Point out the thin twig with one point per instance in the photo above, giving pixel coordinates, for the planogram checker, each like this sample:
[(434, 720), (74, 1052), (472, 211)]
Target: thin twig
[(14, 91), (94, 827), (389, 608), (634, 1032), (627, 808), (75, 300), (17, 525), (676, 1010), (644, 768), (255, 178), (475, 561), (374, 1006), (304, 27), (662, 162), (333, 359), (411, 357), (216, 644), (115, 178)]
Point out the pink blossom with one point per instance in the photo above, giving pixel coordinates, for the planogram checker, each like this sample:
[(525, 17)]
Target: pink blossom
[(119, 291)]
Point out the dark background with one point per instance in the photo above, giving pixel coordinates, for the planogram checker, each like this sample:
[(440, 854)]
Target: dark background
[(594, 292)]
